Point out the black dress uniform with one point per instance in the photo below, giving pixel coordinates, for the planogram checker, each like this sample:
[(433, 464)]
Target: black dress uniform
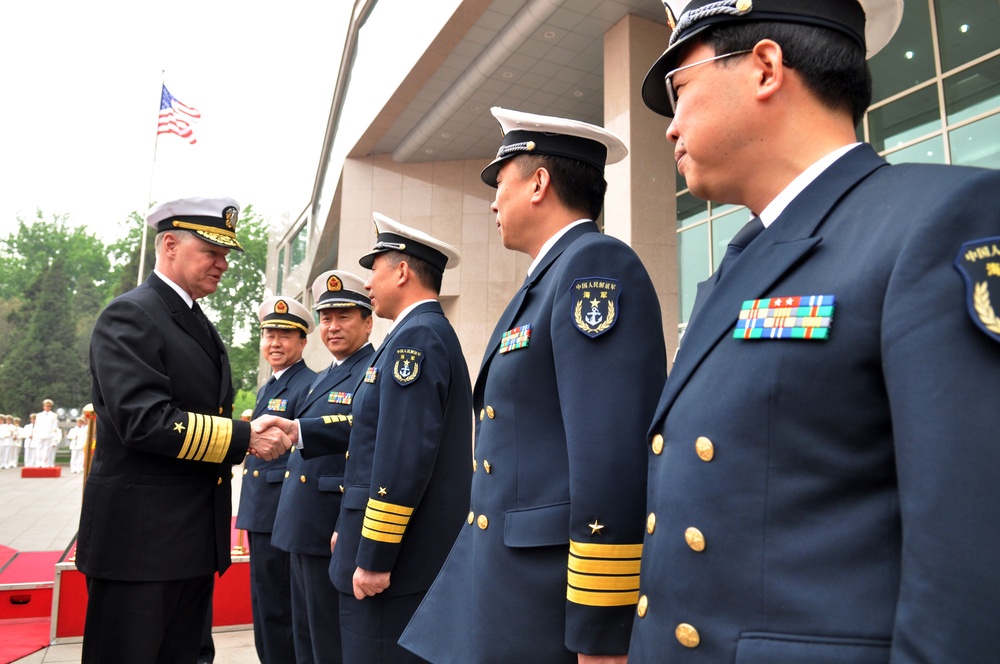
[(270, 576), (310, 503), (547, 561), (155, 519), (824, 456)]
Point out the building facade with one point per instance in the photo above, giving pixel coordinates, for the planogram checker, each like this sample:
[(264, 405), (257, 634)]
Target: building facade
[(410, 130)]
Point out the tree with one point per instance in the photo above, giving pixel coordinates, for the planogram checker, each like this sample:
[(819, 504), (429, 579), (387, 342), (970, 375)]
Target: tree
[(233, 307), (27, 252), (44, 361), (124, 254)]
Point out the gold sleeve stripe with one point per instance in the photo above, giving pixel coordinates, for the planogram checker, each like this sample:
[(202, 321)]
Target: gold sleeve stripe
[(388, 539), (223, 436), (394, 509), (589, 566), (603, 582), (208, 438), (197, 438), (616, 551), (185, 449), (334, 419), (386, 517), (383, 527), (601, 598)]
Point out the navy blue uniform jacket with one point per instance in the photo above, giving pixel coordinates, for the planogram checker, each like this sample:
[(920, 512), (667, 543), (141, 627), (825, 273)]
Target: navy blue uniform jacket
[(262, 480), (843, 490), (310, 497), (157, 504), (409, 466), (547, 562)]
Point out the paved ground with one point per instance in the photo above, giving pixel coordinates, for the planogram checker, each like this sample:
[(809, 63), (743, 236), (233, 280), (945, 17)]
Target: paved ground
[(42, 514)]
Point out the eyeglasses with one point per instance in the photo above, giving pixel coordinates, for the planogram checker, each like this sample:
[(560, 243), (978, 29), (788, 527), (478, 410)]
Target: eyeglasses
[(668, 80)]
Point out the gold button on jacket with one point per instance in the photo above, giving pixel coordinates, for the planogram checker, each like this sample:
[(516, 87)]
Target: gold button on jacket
[(642, 606), (705, 449), (687, 635), (651, 523), (657, 444), (694, 539), (483, 521)]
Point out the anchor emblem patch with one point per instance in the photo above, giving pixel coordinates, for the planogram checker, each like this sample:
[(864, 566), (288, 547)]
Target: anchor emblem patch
[(595, 305), (406, 368)]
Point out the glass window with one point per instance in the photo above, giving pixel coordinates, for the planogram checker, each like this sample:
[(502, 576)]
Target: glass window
[(930, 151), (281, 270), (692, 257), (908, 58), (690, 209), (905, 119), (966, 29), (976, 144), (973, 91), (298, 247), (723, 230)]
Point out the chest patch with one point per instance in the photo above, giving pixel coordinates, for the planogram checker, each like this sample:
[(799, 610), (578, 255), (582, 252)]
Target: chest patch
[(340, 397), (406, 368), (595, 305), (793, 317), (979, 264), (515, 338), (371, 373), (277, 405)]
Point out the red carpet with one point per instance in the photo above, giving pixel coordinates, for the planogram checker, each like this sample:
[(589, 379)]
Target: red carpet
[(30, 567), (20, 638)]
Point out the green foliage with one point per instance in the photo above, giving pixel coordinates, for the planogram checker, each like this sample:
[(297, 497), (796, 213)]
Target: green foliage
[(245, 399), (233, 307), (56, 278), (43, 361)]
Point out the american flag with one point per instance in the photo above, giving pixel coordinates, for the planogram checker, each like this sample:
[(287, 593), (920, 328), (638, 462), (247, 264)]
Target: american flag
[(176, 118)]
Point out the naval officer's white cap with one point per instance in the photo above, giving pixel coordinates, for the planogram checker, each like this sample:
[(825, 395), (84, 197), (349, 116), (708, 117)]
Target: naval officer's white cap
[(337, 288), (284, 313), (394, 236), (529, 133)]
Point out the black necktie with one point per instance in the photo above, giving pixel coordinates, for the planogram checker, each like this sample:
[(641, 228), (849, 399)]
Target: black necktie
[(203, 319), (739, 242)]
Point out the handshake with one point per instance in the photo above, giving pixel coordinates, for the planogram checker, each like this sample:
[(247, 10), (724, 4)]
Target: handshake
[(272, 436)]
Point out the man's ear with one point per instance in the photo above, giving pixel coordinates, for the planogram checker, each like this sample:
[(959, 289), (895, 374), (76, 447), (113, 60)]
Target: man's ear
[(540, 184), (770, 68)]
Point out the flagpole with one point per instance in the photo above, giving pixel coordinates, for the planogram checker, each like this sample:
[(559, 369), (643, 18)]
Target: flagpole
[(149, 194)]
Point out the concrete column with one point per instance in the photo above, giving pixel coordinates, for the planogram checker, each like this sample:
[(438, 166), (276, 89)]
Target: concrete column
[(640, 207)]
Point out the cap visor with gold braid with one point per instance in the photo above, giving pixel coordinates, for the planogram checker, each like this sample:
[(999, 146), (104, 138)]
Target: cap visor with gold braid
[(211, 219)]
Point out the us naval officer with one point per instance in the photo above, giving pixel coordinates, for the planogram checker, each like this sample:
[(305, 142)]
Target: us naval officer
[(156, 516), (546, 566), (285, 325), (311, 496)]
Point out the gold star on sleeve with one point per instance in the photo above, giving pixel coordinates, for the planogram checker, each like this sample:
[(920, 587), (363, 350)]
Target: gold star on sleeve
[(382, 491), (596, 528), (179, 427)]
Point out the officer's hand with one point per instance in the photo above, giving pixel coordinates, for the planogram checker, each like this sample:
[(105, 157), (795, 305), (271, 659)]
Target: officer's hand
[(289, 427), (367, 584), (333, 541), (269, 444), (602, 659)]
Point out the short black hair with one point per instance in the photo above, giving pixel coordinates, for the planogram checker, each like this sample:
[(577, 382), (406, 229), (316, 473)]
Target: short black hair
[(832, 65), (428, 275), (579, 186)]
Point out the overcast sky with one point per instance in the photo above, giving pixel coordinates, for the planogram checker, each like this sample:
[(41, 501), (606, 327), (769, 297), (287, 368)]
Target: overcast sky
[(80, 91)]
